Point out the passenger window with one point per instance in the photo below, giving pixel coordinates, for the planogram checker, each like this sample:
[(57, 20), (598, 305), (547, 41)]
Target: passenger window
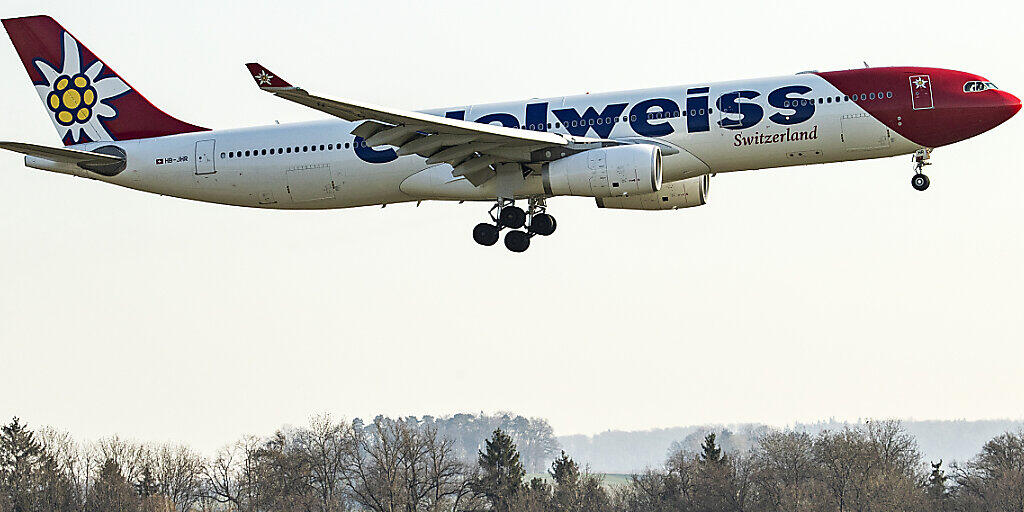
[(222, 155), (321, 147), (888, 94), (231, 154), (346, 145), (305, 149), (863, 97), (872, 96), (246, 153), (829, 99), (632, 118), (264, 152)]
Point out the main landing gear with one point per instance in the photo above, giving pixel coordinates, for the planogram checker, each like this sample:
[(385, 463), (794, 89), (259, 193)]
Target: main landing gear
[(505, 214), (920, 181)]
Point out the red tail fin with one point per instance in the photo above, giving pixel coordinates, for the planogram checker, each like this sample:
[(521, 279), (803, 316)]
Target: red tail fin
[(87, 101)]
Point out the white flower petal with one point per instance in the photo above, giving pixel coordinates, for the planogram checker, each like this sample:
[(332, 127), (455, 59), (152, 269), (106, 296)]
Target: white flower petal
[(104, 110), (76, 132), (95, 131), (94, 71), (72, 59), (49, 74), (110, 87)]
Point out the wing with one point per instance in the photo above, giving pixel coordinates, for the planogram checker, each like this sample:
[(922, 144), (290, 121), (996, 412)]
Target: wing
[(63, 155), (472, 149)]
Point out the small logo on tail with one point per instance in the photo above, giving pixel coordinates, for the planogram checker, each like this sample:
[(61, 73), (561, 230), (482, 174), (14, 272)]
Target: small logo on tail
[(76, 98)]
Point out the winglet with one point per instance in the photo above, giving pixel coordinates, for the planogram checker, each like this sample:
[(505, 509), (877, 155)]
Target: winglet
[(267, 80)]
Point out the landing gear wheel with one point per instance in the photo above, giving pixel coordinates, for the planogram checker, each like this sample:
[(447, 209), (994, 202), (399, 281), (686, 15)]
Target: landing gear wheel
[(512, 217), (543, 224), (485, 234), (517, 241), (920, 182)]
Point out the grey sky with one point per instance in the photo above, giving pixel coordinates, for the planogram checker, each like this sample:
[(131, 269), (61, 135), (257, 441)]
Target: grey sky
[(797, 294)]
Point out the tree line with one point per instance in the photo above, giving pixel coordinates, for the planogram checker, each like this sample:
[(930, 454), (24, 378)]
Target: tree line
[(410, 465), (618, 451)]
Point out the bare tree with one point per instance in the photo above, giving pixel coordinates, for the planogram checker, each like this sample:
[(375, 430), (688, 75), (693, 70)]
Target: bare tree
[(994, 479), (324, 445)]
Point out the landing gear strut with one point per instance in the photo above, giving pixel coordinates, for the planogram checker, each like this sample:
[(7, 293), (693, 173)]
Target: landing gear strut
[(920, 181), (505, 214)]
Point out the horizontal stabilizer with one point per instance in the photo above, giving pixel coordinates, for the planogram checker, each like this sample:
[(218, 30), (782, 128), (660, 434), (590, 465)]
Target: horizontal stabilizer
[(63, 155)]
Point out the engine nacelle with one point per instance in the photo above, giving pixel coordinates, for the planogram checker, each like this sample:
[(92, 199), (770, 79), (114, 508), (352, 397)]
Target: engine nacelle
[(672, 196), (607, 172)]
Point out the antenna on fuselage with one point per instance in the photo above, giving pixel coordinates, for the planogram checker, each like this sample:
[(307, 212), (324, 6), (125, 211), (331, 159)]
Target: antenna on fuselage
[(866, 64)]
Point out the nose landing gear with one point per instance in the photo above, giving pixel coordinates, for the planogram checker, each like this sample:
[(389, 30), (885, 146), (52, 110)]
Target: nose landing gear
[(920, 181), (504, 214)]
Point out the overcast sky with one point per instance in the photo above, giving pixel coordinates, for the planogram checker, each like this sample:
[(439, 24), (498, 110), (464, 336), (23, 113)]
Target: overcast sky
[(795, 295)]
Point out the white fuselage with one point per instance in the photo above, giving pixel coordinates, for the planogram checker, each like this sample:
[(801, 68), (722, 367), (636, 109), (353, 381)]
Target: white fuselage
[(214, 166)]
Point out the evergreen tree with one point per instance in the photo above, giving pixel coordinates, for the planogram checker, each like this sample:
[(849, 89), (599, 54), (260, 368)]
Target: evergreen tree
[(29, 477), (711, 452), (936, 487), (112, 492), (502, 473), (147, 485), (568, 495), (565, 471), (148, 489), (19, 454)]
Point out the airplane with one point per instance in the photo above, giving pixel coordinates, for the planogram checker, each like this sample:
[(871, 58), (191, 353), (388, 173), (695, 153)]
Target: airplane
[(653, 149)]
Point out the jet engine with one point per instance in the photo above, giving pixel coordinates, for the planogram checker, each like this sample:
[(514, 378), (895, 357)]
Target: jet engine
[(672, 196), (608, 172)]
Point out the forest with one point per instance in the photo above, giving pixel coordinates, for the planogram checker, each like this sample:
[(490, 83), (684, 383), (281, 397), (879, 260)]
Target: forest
[(440, 464)]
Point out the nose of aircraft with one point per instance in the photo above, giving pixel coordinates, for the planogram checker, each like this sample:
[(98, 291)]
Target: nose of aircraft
[(997, 110), (1012, 103)]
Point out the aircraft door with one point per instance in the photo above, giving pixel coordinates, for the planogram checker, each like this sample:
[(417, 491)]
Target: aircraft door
[(311, 183), (204, 157)]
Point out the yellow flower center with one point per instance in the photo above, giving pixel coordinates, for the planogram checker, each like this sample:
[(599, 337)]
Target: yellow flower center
[(72, 99)]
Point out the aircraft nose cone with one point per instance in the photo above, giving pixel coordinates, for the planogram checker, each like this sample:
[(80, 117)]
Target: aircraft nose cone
[(987, 112), (1012, 103)]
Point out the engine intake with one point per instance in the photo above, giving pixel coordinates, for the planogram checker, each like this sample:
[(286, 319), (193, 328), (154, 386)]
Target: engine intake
[(672, 196), (607, 172)]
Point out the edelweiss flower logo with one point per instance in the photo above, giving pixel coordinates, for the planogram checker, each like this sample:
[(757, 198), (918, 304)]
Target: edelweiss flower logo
[(75, 97), (264, 78)]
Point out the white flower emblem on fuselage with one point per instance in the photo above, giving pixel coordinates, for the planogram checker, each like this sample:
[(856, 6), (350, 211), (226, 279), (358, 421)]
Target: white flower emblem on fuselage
[(75, 97), (264, 78), (920, 83)]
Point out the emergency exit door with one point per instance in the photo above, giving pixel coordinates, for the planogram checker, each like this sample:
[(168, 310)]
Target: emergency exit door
[(204, 157)]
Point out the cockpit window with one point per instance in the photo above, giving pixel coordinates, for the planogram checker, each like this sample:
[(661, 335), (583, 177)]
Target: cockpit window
[(979, 86)]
